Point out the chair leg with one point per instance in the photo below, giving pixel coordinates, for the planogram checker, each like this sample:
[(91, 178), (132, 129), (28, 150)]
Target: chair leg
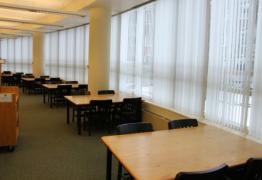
[(73, 116), (119, 172), (88, 122)]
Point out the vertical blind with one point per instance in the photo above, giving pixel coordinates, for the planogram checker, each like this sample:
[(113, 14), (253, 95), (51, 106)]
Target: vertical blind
[(199, 57), (18, 54), (149, 53), (231, 58), (65, 53), (256, 113), (149, 64)]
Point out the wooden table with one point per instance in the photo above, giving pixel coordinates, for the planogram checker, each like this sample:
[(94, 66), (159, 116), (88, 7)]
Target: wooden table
[(79, 102), (49, 88), (28, 81), (162, 154)]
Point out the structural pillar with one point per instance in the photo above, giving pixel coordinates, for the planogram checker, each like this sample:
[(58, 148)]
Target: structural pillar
[(99, 49), (37, 65)]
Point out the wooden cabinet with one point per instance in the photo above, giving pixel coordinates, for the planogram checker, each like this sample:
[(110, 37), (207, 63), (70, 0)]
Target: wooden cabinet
[(9, 116)]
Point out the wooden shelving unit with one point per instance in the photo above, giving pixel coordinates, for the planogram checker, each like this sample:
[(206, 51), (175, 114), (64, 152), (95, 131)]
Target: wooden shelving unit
[(9, 116)]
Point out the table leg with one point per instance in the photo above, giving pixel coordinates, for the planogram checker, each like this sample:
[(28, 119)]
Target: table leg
[(67, 112), (23, 86), (51, 96), (44, 95), (108, 164), (78, 111)]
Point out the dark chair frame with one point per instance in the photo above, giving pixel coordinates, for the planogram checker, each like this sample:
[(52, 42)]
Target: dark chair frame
[(82, 89), (130, 111), (100, 92), (217, 173), (182, 123), (137, 127), (98, 110), (58, 95), (253, 169)]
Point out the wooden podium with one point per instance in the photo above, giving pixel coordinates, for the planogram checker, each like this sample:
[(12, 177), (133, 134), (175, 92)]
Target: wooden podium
[(2, 61), (9, 116)]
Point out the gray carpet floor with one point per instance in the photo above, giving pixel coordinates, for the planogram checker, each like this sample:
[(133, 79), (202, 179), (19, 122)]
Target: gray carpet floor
[(48, 148)]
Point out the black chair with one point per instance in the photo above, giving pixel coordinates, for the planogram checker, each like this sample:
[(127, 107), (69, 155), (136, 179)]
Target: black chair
[(129, 128), (71, 82), (182, 123), (35, 86), (56, 80), (130, 111), (59, 93), (82, 89), (253, 169), (17, 78), (100, 92), (7, 72), (98, 113), (134, 128), (28, 74), (218, 173), (44, 77), (236, 172)]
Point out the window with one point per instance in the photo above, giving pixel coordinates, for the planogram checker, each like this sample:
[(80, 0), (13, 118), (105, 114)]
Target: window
[(152, 42), (231, 59), (66, 53), (202, 58), (18, 54)]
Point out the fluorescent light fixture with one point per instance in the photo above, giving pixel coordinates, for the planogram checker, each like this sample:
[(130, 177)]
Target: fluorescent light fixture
[(19, 29), (14, 34), (39, 10), (28, 22)]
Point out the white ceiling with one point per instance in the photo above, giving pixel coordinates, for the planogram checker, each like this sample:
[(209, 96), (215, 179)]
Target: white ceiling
[(117, 6), (66, 21)]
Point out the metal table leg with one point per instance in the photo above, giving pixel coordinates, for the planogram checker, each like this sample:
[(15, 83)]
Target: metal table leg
[(108, 164), (78, 111)]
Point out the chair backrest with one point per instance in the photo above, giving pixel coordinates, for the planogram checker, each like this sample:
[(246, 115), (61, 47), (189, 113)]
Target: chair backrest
[(134, 128), (7, 72), (132, 104), (44, 77), (55, 80), (40, 80), (71, 82), (105, 92), (82, 89), (217, 173), (131, 110), (18, 76), (100, 106), (64, 89), (182, 123), (253, 170)]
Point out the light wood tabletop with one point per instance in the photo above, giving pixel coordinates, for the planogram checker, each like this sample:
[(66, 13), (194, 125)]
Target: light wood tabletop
[(7, 75), (54, 86), (31, 78), (85, 99), (162, 154)]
